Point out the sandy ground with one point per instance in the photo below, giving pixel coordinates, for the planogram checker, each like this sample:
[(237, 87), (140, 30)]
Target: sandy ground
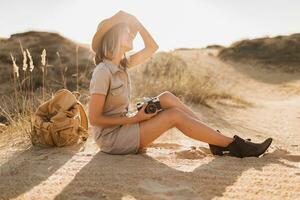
[(175, 166)]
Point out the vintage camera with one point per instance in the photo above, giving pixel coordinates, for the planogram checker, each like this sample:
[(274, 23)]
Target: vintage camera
[(152, 105)]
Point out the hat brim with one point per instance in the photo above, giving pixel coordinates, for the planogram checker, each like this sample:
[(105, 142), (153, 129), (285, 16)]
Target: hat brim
[(108, 24)]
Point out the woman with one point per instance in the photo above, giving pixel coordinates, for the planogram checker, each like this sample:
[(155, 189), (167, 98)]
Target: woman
[(118, 133)]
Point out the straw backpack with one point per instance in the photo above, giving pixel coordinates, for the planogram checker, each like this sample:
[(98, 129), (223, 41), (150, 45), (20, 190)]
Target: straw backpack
[(56, 121)]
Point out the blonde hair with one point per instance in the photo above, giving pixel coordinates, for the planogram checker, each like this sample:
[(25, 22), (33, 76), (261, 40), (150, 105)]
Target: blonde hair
[(110, 44)]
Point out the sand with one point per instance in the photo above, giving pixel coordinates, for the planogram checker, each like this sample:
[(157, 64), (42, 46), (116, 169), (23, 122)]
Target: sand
[(175, 166)]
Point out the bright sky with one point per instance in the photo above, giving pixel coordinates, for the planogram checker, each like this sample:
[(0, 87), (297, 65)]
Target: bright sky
[(172, 23)]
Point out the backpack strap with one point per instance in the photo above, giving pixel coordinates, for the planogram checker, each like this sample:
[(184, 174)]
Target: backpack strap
[(83, 117)]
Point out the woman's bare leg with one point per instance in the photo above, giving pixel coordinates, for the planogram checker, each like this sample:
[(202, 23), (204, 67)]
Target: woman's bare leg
[(152, 128), (191, 127), (175, 117), (169, 100)]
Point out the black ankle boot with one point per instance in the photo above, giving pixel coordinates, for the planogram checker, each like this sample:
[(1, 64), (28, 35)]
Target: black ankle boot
[(217, 150), (243, 148)]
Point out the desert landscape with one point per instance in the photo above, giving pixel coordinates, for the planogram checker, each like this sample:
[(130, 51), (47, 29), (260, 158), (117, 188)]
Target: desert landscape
[(251, 88)]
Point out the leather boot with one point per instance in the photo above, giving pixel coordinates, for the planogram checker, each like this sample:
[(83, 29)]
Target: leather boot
[(218, 150), (242, 148)]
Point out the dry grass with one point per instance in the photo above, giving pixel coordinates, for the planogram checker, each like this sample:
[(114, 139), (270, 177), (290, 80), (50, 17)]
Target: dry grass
[(17, 108), (292, 87), (71, 55), (16, 115), (31, 73), (168, 72)]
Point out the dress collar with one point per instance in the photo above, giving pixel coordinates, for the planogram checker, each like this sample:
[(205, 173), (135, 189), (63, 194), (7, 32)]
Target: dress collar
[(113, 67)]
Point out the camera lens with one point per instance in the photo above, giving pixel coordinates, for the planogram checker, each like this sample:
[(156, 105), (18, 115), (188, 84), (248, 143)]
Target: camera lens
[(151, 108)]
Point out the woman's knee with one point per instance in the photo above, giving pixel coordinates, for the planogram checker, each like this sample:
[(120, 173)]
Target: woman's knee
[(175, 115), (167, 99), (166, 95)]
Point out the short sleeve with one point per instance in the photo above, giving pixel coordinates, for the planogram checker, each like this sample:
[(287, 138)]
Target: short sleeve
[(99, 83)]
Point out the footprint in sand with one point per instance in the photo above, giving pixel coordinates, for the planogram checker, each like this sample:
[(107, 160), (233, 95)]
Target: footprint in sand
[(165, 145), (192, 153)]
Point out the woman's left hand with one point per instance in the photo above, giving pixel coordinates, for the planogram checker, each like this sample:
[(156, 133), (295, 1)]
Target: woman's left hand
[(132, 21)]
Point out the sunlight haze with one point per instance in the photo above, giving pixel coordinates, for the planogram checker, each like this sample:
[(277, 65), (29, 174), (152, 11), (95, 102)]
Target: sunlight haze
[(173, 24)]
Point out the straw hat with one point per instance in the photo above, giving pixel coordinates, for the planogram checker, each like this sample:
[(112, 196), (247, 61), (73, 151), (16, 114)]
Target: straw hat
[(108, 23)]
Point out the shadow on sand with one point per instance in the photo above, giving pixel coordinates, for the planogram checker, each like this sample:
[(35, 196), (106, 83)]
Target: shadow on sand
[(28, 168), (111, 177)]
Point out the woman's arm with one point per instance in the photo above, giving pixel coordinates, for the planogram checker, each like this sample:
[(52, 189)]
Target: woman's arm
[(150, 46), (98, 119), (104, 121)]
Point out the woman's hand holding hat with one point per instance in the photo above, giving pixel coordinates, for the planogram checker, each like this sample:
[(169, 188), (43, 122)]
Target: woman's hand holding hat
[(108, 23), (126, 16), (131, 20)]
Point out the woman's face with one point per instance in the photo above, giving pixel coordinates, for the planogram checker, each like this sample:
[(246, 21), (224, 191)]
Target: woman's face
[(127, 39)]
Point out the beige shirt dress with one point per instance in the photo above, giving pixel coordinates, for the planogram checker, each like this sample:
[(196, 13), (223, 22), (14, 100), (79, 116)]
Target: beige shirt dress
[(114, 82)]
